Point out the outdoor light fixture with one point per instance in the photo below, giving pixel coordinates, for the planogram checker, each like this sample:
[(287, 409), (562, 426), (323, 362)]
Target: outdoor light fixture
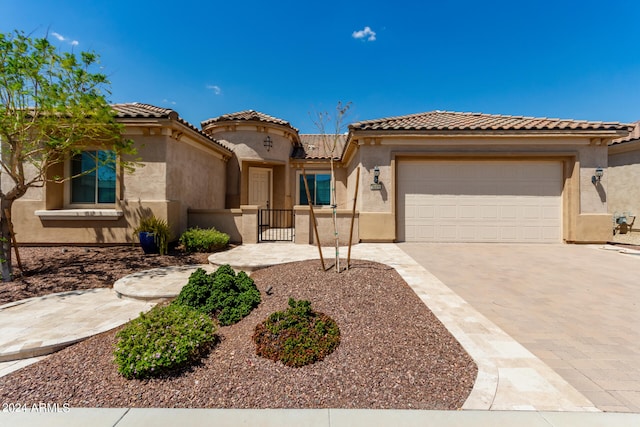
[(267, 143), (597, 176), (376, 186)]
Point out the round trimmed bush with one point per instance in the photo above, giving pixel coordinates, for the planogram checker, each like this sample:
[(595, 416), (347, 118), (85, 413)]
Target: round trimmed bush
[(298, 336), (162, 341), (224, 294)]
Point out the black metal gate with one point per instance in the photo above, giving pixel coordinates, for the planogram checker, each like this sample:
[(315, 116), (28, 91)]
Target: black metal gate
[(276, 225)]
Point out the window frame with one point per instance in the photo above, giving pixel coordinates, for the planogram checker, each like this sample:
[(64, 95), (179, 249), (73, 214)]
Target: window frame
[(300, 186), (68, 189)]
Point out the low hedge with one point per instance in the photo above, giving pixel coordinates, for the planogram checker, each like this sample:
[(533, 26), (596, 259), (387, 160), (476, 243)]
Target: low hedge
[(162, 341), (203, 240)]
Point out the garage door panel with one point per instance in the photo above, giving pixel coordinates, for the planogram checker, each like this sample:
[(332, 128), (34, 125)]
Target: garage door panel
[(492, 201)]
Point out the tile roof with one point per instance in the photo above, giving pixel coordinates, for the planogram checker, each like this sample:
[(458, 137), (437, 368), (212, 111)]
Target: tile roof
[(318, 146), (454, 121), (633, 136), (247, 115), (136, 110)]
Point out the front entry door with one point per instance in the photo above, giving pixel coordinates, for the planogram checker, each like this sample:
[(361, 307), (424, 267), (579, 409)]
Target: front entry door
[(260, 187)]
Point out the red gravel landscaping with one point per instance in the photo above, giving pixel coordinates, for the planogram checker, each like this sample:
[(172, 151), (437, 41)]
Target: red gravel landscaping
[(394, 353)]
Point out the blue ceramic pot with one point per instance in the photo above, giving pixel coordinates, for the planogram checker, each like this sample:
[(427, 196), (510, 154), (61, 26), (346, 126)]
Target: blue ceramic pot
[(148, 243)]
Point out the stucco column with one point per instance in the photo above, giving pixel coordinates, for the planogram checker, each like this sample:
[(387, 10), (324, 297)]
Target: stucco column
[(249, 223), (303, 225)]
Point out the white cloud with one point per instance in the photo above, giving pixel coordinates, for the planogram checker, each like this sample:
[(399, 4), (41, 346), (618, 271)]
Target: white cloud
[(62, 38), (167, 101), (367, 34), (215, 88)]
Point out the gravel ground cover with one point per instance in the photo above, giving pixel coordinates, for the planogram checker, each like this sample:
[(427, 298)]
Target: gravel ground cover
[(394, 353), (58, 269)]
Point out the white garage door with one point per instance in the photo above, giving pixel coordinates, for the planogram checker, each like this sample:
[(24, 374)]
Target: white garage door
[(479, 201)]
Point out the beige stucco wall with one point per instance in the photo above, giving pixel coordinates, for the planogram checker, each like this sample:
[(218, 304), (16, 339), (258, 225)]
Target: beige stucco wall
[(585, 205), (148, 180), (226, 220), (246, 140), (141, 192), (305, 233), (195, 177), (623, 179)]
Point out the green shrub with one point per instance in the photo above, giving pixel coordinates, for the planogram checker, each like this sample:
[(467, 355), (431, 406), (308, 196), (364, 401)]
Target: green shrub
[(162, 341), (298, 336), (224, 294), (203, 240)]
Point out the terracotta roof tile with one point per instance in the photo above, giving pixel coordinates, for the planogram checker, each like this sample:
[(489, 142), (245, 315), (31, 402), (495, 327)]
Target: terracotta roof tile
[(137, 110), (318, 146), (454, 121), (633, 135), (247, 115)]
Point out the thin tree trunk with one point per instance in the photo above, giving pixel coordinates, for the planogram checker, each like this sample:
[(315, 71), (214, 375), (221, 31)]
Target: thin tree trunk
[(5, 241), (334, 205)]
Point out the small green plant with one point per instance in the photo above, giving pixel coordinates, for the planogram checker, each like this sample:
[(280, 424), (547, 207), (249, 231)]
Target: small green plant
[(203, 240), (159, 228), (162, 341), (298, 336), (224, 294)]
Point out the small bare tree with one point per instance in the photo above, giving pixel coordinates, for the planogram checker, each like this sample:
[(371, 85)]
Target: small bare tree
[(331, 127)]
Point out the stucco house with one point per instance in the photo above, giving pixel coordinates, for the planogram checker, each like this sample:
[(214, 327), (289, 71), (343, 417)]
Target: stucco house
[(435, 176)]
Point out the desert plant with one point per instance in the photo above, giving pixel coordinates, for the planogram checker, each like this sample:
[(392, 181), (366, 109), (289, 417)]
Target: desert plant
[(224, 294), (162, 341), (159, 228), (298, 336), (203, 240)]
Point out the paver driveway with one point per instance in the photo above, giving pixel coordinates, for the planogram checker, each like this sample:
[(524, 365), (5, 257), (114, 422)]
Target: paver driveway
[(576, 307)]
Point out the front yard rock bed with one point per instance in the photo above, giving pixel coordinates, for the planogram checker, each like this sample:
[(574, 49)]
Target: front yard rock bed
[(393, 353)]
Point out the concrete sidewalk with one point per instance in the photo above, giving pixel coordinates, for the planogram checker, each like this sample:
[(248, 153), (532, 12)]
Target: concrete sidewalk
[(125, 417)]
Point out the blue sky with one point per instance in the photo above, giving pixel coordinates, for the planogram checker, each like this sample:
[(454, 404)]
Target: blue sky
[(567, 59)]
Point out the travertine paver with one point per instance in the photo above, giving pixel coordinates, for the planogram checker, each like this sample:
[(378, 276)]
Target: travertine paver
[(158, 283), (42, 325), (576, 307)]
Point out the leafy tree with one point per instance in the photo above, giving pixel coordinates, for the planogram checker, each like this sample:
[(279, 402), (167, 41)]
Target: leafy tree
[(51, 104)]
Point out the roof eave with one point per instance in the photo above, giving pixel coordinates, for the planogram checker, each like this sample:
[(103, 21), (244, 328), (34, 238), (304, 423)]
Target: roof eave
[(529, 133), (166, 122), (623, 147)]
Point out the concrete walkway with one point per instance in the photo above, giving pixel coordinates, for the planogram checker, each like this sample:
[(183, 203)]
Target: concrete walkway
[(575, 307), (510, 377)]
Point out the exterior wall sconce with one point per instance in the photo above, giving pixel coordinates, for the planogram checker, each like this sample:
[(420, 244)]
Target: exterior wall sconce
[(268, 143), (376, 179), (595, 179)]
